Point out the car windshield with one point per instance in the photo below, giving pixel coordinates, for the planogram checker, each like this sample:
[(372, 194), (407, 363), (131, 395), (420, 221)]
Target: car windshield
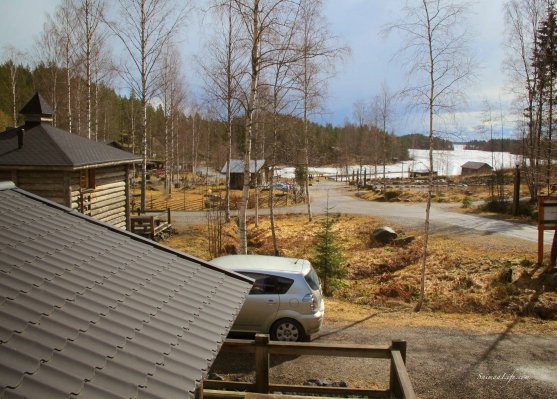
[(312, 279)]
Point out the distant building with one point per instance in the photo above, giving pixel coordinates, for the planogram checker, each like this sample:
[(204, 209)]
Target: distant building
[(420, 173), (475, 168), (257, 171), (89, 310), (89, 176)]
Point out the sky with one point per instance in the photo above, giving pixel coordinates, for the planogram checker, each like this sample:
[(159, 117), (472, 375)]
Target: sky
[(372, 62)]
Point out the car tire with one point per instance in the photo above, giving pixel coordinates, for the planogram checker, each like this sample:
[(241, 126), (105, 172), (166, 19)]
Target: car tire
[(287, 330)]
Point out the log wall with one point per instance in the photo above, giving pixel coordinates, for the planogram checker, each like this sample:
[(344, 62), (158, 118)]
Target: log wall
[(47, 184), (108, 200)]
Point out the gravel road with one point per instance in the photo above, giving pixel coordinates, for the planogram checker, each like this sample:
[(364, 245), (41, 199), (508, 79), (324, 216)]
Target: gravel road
[(337, 197), (443, 362)]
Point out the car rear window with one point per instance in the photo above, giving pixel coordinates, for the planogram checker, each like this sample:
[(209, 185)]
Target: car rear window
[(312, 279), (268, 284)]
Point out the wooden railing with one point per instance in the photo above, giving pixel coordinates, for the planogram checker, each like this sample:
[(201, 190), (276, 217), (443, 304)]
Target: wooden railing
[(400, 386), (151, 225)]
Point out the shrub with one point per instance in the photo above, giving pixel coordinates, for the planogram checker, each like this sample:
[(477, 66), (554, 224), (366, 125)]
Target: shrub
[(496, 206), (467, 202), (391, 195)]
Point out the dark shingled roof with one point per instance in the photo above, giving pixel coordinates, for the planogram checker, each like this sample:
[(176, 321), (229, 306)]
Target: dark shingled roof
[(91, 311), (37, 106), (474, 165), (47, 146), (237, 166)]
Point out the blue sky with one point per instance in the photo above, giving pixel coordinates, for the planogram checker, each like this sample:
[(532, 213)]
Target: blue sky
[(358, 23)]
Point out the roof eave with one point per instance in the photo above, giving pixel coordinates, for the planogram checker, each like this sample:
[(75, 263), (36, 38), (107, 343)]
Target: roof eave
[(69, 167)]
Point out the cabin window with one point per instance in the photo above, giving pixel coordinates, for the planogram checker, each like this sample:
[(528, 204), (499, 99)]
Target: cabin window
[(87, 179)]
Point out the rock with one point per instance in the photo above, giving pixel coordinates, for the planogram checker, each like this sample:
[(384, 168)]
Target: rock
[(340, 384), (550, 281), (506, 275), (384, 235), (404, 241)]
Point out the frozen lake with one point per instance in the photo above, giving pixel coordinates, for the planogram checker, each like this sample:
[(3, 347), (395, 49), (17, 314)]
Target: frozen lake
[(445, 163)]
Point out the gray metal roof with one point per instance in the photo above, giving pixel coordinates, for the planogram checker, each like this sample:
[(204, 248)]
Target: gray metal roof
[(91, 311), (237, 166), (474, 165), (47, 146), (37, 106)]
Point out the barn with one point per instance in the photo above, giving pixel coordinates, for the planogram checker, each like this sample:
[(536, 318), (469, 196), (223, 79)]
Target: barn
[(256, 169), (82, 174), (475, 168)]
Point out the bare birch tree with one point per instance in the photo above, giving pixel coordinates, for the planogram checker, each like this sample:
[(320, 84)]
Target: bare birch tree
[(223, 74), (47, 51), (523, 18), (144, 27), (89, 18), (172, 96), (12, 56), (280, 80), (318, 54), (436, 52), (261, 20), (383, 110)]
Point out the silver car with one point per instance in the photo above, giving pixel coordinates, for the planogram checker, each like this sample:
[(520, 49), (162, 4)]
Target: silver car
[(285, 301)]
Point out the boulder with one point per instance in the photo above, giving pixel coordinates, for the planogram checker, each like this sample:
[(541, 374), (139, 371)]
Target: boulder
[(404, 241), (384, 235)]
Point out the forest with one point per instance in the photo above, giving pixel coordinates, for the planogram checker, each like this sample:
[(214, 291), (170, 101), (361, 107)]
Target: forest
[(198, 139)]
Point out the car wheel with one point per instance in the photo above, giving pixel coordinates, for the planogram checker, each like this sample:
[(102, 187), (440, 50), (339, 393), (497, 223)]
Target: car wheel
[(287, 330)]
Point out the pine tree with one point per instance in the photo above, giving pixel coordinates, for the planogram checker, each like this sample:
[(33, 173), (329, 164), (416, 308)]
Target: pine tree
[(328, 260)]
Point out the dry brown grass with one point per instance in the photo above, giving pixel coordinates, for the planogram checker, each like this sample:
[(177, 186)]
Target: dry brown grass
[(462, 272)]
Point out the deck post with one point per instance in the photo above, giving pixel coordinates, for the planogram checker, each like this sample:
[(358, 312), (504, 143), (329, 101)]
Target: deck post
[(394, 386), (262, 363), (199, 391)]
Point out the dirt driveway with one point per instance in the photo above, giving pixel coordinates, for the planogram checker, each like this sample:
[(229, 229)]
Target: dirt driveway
[(447, 358)]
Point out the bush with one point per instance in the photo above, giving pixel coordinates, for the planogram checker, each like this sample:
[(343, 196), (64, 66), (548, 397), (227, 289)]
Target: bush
[(467, 202), (391, 195), (496, 206)]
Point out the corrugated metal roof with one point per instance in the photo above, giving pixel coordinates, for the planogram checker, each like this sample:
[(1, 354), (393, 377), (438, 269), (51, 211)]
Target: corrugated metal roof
[(88, 310), (237, 166), (37, 106), (47, 146)]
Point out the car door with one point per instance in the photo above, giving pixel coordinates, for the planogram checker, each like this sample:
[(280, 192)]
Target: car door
[(261, 304)]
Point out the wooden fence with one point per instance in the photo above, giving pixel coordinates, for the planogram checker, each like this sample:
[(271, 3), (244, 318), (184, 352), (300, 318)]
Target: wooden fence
[(400, 386), (178, 201)]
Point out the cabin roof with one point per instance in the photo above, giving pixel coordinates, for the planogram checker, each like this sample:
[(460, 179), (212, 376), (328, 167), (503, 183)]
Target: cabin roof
[(475, 165), (90, 310), (237, 166), (45, 146), (37, 106)]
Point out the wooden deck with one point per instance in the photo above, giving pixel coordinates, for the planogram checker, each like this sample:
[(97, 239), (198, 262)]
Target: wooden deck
[(400, 386)]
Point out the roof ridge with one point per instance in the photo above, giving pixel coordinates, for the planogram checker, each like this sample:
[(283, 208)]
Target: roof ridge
[(48, 133)]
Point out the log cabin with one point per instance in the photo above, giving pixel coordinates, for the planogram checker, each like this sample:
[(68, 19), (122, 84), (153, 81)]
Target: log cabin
[(90, 177), (257, 169), (475, 168)]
